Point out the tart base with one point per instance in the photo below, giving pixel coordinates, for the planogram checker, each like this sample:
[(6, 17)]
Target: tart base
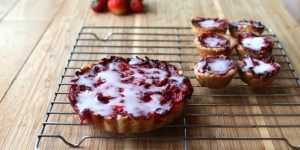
[(199, 30), (215, 81), (235, 32), (256, 82), (125, 124)]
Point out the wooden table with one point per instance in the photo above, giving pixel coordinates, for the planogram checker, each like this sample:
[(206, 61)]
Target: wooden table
[(37, 36)]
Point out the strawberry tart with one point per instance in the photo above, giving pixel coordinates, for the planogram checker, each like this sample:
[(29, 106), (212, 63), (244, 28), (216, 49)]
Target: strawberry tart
[(215, 71), (214, 44), (209, 25), (248, 26), (258, 72), (254, 45), (129, 95)]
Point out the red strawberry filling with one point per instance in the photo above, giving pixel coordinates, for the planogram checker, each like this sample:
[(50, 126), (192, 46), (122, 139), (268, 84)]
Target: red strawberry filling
[(129, 87), (219, 65), (265, 68), (246, 23), (210, 22), (255, 44), (104, 99), (212, 40)]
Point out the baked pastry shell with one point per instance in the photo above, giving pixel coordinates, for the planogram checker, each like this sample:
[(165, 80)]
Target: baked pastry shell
[(199, 30), (215, 81), (125, 124)]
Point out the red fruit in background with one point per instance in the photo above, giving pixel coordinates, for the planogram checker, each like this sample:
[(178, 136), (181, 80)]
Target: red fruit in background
[(99, 6), (118, 7), (136, 6)]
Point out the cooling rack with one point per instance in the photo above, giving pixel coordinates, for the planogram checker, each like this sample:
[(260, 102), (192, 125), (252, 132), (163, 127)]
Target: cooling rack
[(237, 115)]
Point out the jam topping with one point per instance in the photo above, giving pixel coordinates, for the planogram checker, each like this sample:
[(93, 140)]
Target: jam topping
[(247, 23), (213, 40), (210, 22), (132, 87), (255, 43), (219, 65), (260, 67)]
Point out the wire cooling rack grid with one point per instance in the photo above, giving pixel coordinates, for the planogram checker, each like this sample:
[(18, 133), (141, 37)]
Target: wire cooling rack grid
[(237, 113)]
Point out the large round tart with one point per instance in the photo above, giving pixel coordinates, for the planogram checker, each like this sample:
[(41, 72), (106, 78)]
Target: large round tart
[(129, 95)]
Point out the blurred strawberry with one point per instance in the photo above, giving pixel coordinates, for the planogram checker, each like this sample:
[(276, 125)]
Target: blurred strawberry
[(118, 7), (136, 6), (99, 6)]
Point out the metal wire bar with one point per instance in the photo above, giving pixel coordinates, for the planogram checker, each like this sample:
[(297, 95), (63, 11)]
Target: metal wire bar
[(109, 35), (184, 69), (184, 116), (147, 53), (220, 105), (296, 147), (220, 114), (225, 95), (144, 46), (170, 61), (192, 77), (196, 125), (134, 27), (230, 86)]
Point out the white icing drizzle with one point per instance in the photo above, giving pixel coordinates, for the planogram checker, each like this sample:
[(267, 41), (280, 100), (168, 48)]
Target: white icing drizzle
[(199, 67), (214, 41), (209, 23), (85, 81), (260, 67), (129, 99), (87, 100), (254, 43), (220, 65), (134, 61), (217, 66), (244, 23)]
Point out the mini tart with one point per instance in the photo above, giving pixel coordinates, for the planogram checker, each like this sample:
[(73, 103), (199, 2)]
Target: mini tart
[(257, 46), (215, 71), (129, 95), (214, 44), (209, 25), (248, 26), (258, 72)]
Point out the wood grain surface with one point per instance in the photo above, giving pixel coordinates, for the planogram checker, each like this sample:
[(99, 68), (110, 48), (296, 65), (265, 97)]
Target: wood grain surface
[(36, 38)]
